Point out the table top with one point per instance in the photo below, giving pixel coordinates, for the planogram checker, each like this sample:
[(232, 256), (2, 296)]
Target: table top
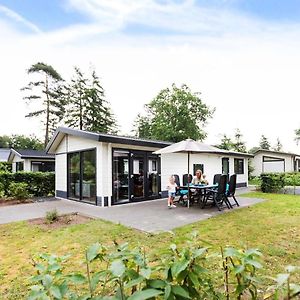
[(199, 186)]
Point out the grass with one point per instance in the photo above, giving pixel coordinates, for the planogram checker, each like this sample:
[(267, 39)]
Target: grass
[(272, 226)]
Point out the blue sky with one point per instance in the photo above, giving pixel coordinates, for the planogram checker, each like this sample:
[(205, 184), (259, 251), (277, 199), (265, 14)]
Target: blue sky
[(242, 55), (54, 14)]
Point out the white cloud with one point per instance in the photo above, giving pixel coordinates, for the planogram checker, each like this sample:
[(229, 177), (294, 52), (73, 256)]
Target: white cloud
[(251, 77), (18, 18)]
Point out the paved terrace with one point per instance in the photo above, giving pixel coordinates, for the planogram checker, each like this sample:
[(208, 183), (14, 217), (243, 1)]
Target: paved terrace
[(149, 216)]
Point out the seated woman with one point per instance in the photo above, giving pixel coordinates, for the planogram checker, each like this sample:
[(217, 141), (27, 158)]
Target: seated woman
[(198, 179)]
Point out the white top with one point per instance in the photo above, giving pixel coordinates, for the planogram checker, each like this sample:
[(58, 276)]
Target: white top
[(172, 187)]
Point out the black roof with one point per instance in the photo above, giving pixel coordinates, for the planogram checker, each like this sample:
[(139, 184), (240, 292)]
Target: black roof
[(28, 153), (108, 138)]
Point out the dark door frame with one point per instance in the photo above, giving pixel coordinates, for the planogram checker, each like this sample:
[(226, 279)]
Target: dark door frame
[(145, 155)]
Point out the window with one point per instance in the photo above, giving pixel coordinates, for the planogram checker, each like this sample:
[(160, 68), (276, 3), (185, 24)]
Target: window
[(239, 166), (225, 165), (38, 166), (82, 176), (19, 166), (198, 167)]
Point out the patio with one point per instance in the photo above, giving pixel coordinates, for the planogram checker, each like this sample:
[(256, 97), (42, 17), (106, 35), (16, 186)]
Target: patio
[(149, 216)]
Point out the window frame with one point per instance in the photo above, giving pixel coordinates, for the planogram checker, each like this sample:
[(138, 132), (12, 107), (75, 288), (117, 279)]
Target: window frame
[(238, 167)]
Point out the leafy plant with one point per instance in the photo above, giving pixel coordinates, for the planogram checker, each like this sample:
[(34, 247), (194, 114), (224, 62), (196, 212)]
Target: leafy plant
[(19, 190), (51, 216), (122, 273), (272, 182), (39, 183)]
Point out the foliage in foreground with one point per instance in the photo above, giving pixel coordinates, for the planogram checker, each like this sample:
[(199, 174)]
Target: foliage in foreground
[(123, 273)]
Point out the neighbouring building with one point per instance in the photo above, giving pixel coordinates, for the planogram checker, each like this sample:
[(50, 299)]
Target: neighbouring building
[(4, 154), (105, 170), (31, 160), (266, 161)]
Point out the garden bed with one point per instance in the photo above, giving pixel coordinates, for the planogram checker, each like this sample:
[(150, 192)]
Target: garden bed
[(8, 201), (62, 221)]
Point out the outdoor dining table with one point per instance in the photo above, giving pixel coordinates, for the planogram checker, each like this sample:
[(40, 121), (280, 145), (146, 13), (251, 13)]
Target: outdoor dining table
[(200, 187)]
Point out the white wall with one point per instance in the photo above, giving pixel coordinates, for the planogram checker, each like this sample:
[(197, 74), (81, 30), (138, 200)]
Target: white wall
[(176, 163), (103, 158), (257, 162), (61, 172), (27, 163)]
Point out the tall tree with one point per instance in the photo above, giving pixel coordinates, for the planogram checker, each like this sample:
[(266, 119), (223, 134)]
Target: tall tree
[(239, 145), (47, 90), (264, 143), (297, 136), (226, 143), (175, 114), (278, 145), (18, 141), (87, 107)]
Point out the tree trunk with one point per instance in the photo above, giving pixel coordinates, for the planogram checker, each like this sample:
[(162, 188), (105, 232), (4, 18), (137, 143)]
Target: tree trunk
[(80, 112), (47, 113)]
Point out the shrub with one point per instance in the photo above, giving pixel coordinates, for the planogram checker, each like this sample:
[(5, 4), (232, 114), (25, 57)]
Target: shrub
[(39, 183), (19, 190), (51, 216), (5, 166), (179, 273), (292, 179), (272, 182), (2, 193)]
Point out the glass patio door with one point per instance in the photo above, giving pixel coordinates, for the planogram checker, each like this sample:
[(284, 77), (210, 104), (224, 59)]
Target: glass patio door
[(138, 177), (153, 177), (120, 176), (82, 176)]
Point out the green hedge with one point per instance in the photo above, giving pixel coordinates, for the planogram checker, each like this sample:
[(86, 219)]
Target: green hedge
[(292, 179), (39, 183), (272, 182)]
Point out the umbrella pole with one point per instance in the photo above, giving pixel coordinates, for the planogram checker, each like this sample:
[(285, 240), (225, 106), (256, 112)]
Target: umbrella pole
[(188, 179)]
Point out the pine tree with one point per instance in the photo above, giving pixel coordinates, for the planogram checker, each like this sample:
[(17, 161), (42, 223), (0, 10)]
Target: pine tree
[(226, 143), (87, 107), (48, 91), (239, 145), (297, 136), (278, 146), (264, 143), (99, 116), (76, 92)]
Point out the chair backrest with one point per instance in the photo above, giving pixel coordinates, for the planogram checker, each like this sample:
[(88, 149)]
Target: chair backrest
[(222, 184), (217, 178), (177, 181), (232, 184), (187, 179)]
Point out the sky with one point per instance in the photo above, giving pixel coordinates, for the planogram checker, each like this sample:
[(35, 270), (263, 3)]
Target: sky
[(242, 55)]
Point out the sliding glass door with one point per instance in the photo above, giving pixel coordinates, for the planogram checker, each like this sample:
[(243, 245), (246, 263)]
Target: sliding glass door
[(120, 176), (82, 176), (74, 175), (136, 176)]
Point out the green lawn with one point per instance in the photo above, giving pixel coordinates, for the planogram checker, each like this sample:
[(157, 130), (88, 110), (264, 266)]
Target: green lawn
[(272, 226)]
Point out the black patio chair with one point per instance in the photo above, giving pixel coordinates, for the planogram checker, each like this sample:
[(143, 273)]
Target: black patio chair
[(180, 192), (218, 196), (217, 178), (187, 179), (231, 190)]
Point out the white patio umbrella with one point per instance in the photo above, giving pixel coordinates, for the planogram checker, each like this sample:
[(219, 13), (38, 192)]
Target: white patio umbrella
[(188, 146)]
